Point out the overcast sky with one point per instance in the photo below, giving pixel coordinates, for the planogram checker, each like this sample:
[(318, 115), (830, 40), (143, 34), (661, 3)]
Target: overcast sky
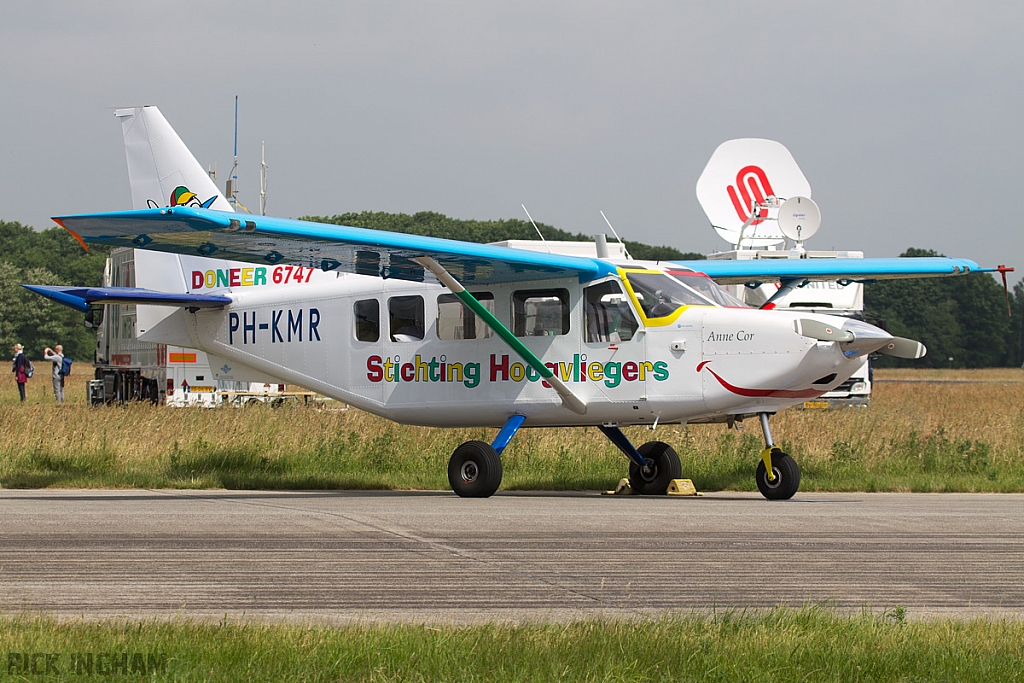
[(906, 117)]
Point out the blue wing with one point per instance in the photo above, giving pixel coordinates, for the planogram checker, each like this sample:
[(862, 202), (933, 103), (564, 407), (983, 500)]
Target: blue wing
[(261, 239), (760, 271)]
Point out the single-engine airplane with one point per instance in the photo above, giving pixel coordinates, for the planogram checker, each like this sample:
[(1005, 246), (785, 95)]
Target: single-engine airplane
[(443, 333)]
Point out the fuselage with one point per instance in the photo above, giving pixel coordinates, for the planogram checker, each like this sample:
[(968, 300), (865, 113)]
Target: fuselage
[(639, 347)]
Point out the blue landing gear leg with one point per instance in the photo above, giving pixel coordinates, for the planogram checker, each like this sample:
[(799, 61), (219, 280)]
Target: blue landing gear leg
[(652, 467), (474, 470), (512, 426)]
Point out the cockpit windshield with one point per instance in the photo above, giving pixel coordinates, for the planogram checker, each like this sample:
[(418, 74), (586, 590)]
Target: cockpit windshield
[(660, 295), (708, 287)]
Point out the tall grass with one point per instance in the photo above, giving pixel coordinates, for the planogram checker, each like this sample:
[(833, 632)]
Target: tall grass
[(913, 437), (777, 645)]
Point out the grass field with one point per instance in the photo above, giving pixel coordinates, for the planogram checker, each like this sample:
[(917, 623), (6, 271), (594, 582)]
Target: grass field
[(778, 645), (915, 436)]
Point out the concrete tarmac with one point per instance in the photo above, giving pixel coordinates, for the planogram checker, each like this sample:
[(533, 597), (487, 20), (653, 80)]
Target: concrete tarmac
[(342, 557)]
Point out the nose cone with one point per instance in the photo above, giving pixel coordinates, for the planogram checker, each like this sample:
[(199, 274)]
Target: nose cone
[(866, 338)]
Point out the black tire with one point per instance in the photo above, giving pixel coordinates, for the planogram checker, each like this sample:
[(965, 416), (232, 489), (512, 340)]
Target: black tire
[(662, 467), (474, 470), (787, 477)]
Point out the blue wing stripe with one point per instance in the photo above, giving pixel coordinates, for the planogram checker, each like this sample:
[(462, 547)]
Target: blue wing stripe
[(823, 269)]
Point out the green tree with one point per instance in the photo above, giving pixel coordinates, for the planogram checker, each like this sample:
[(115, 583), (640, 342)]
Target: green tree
[(35, 322), (963, 318), (50, 257)]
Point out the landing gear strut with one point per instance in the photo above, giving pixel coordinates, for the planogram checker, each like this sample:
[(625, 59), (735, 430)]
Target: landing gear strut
[(782, 480)]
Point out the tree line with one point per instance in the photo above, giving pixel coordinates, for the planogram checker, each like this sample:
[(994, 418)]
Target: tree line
[(962, 320)]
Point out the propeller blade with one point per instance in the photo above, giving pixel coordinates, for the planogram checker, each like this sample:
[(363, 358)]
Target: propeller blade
[(901, 347), (815, 329)]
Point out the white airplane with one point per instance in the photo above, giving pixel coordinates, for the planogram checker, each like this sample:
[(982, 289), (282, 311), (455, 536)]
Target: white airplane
[(443, 333)]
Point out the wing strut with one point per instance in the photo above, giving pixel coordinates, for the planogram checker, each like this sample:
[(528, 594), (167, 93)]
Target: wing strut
[(785, 287), (569, 399)]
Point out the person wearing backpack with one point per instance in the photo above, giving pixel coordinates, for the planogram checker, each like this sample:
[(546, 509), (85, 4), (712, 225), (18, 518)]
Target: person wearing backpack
[(20, 366), (57, 358)]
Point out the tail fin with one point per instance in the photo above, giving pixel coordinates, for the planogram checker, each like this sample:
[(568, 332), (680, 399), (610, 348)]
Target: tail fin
[(161, 170)]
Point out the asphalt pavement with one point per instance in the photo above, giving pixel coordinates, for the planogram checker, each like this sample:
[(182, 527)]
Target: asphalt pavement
[(341, 557)]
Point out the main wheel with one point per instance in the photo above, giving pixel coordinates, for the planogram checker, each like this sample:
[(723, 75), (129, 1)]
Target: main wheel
[(787, 477), (474, 470), (661, 468)]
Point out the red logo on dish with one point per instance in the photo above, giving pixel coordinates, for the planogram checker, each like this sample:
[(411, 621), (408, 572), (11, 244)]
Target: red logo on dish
[(751, 186)]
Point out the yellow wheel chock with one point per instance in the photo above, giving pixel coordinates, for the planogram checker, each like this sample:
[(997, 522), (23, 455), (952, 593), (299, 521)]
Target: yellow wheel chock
[(682, 487), (676, 487), (621, 489)]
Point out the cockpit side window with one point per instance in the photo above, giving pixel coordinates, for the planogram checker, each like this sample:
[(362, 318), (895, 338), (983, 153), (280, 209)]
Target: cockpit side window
[(608, 316)]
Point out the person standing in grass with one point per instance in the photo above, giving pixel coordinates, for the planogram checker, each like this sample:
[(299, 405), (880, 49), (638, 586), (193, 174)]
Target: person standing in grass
[(19, 366), (57, 358)]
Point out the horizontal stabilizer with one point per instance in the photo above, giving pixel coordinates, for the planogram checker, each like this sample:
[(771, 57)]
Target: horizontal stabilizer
[(80, 298), (901, 347)]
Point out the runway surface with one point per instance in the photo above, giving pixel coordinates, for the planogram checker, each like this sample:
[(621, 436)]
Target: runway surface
[(340, 557)]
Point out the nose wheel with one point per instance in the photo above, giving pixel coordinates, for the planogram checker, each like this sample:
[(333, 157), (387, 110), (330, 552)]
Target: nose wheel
[(785, 477), (782, 482)]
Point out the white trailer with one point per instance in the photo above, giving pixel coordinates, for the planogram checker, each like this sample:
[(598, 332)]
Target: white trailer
[(130, 369)]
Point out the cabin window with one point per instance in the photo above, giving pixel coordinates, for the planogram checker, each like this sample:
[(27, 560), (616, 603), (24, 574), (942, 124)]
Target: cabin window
[(367, 314), (456, 321), (406, 314), (540, 312), (607, 314)]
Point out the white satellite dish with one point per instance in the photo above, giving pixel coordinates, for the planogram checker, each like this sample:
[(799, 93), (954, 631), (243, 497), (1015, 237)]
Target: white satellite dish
[(745, 172), (799, 218)]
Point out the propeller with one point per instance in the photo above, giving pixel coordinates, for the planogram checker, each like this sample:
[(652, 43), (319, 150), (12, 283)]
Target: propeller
[(815, 329), (901, 347), (860, 338)]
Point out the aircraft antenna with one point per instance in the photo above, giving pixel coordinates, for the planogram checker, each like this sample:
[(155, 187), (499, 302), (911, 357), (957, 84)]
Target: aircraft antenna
[(624, 250), (263, 178), (231, 186), (536, 228)]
